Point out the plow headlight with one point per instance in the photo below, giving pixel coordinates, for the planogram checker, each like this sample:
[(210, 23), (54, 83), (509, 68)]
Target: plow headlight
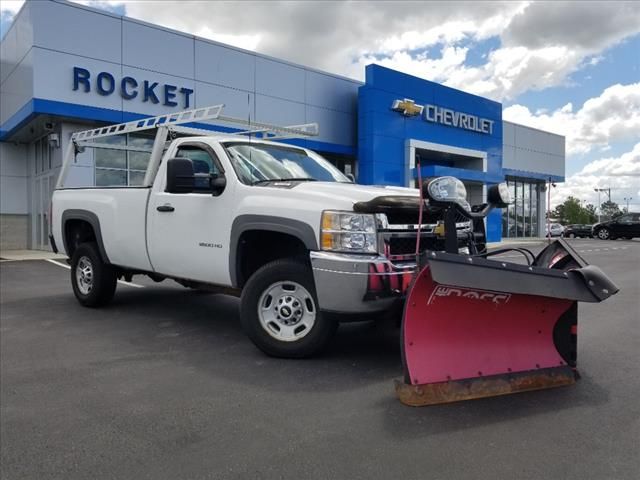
[(443, 190), (348, 232), (499, 195)]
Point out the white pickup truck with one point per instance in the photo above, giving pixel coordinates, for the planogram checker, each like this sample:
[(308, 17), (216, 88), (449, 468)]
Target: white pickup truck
[(274, 223)]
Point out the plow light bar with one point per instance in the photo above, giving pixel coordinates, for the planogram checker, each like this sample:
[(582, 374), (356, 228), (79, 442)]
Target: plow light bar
[(447, 190), (499, 196)]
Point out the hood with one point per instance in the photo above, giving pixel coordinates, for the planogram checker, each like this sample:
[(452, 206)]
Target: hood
[(309, 199), (342, 195), (352, 191)]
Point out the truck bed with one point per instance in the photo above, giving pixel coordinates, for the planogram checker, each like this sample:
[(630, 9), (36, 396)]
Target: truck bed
[(121, 213)]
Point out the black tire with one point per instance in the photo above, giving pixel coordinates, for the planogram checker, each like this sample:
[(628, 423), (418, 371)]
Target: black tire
[(572, 235), (604, 234), (263, 281), (103, 277)]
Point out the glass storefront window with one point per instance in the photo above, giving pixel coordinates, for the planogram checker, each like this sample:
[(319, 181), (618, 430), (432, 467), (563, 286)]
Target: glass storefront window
[(122, 167), (520, 219), (512, 210), (110, 178), (534, 209), (110, 158), (138, 160), (505, 222), (526, 201), (135, 177)]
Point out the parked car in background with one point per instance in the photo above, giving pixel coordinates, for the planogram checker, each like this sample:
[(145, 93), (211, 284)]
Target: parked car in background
[(626, 226), (577, 230), (553, 230)]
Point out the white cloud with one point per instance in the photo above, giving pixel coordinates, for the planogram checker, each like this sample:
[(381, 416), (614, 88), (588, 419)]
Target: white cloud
[(621, 174), (612, 116), (541, 43), (11, 7)]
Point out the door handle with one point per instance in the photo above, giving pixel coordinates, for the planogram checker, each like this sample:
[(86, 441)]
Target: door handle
[(165, 208)]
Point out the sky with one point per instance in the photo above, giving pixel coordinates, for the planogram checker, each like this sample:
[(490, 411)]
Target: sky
[(571, 68)]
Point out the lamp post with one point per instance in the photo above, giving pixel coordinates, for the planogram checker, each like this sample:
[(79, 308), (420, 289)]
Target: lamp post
[(627, 200), (608, 192)]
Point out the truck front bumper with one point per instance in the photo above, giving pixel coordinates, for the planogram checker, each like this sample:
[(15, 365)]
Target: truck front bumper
[(347, 283)]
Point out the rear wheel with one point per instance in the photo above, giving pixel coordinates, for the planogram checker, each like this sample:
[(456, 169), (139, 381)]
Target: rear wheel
[(279, 311), (93, 281), (604, 234)]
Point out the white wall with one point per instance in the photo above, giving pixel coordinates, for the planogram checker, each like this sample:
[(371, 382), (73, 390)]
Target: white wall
[(13, 179), (531, 150)]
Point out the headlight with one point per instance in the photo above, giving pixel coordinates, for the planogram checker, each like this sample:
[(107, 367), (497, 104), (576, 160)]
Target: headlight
[(348, 232)]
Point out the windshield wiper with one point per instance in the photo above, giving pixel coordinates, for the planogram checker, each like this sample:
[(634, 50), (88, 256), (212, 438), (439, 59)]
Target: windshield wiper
[(294, 179)]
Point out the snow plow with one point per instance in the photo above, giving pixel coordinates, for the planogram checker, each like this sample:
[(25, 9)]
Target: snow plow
[(476, 325)]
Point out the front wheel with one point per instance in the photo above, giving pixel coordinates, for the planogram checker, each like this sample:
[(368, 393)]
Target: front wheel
[(572, 235), (93, 281), (604, 234), (279, 311)]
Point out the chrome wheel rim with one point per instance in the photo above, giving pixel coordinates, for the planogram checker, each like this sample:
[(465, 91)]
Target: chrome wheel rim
[(287, 311), (84, 275), (603, 234)]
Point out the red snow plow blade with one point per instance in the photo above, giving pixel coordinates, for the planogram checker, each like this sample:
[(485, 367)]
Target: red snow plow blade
[(474, 327)]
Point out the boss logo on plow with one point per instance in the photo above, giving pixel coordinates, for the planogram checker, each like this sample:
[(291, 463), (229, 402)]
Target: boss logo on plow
[(497, 298)]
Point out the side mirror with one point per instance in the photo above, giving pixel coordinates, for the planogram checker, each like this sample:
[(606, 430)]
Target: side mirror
[(350, 177), (498, 195), (180, 177), (217, 183)]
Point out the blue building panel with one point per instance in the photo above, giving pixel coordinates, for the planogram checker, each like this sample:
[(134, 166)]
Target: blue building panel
[(448, 118)]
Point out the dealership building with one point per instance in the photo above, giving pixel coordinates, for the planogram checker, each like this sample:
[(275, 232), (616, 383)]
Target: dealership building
[(66, 67)]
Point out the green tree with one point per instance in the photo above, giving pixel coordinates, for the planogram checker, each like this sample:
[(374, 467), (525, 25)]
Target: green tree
[(610, 210), (571, 211), (592, 215)]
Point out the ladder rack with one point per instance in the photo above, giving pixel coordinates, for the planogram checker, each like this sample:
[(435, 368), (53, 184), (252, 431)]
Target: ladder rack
[(168, 125), (175, 122)]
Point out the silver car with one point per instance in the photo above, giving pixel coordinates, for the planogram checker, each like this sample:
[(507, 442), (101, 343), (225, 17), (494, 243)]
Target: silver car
[(554, 230)]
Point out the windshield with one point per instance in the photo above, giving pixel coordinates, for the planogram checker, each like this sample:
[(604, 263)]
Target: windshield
[(261, 163)]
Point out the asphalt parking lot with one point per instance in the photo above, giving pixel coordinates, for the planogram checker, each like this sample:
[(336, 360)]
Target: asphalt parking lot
[(164, 384)]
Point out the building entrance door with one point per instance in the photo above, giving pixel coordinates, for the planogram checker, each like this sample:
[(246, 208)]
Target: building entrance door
[(43, 184), (43, 189)]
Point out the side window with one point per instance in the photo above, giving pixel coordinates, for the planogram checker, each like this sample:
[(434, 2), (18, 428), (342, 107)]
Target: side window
[(203, 165), (624, 219), (635, 217)]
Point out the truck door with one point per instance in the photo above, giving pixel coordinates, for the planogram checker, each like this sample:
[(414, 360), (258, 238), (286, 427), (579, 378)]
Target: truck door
[(188, 233)]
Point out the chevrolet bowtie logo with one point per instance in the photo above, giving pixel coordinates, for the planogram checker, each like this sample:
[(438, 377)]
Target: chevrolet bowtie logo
[(407, 107)]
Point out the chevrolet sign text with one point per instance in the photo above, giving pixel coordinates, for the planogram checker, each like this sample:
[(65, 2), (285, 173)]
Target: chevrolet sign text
[(445, 116)]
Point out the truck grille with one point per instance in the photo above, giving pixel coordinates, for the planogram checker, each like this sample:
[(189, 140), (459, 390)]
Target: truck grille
[(400, 240)]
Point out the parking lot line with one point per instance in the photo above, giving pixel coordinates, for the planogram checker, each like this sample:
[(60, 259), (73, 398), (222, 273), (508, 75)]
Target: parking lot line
[(121, 282)]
